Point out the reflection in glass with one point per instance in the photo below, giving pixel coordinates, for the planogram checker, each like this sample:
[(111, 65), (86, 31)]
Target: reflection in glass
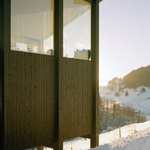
[(77, 29), (32, 26)]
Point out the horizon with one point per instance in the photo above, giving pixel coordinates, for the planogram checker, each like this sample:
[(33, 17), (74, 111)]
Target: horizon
[(124, 38)]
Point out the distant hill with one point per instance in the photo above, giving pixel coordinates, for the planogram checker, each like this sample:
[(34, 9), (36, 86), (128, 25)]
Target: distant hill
[(136, 78)]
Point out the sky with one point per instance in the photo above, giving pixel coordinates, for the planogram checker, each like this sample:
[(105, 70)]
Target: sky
[(124, 37)]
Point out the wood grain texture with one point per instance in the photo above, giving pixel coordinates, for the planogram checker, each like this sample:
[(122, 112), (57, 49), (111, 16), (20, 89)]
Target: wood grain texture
[(95, 71), (48, 99), (1, 97), (30, 100), (1, 70), (77, 97)]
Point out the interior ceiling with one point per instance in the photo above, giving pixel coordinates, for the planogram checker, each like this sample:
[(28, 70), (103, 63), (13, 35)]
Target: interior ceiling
[(41, 8), (29, 6)]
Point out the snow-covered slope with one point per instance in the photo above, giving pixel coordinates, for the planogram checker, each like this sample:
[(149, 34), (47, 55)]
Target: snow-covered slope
[(140, 140), (136, 98)]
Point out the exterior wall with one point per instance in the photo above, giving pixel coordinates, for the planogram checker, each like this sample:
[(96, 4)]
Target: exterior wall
[(1, 70), (29, 110), (77, 97), (29, 96), (1, 98), (1, 86), (48, 99)]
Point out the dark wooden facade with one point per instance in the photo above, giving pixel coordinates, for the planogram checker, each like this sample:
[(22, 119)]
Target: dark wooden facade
[(1, 73), (45, 100)]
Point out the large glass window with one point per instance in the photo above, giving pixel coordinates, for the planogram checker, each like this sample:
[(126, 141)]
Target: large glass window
[(32, 26), (77, 29)]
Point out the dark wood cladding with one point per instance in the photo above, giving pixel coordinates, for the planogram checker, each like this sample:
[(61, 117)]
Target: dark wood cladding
[(77, 97), (1, 71), (47, 99), (29, 100), (1, 99), (1, 82), (30, 108)]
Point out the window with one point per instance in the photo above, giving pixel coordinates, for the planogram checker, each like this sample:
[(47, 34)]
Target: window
[(77, 29), (32, 26)]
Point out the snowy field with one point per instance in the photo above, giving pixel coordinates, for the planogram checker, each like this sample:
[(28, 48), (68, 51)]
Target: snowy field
[(140, 140), (136, 99)]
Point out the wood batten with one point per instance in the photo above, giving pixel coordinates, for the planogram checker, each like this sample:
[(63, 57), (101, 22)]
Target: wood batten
[(1, 74), (95, 60), (58, 47)]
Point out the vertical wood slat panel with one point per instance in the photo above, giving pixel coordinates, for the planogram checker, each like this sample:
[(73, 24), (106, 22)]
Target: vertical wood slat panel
[(64, 96), (38, 102), (72, 97), (75, 97), (30, 101), (35, 98), (21, 132), (78, 97), (1, 92), (50, 97), (43, 102), (1, 71), (90, 96), (85, 98), (11, 98), (67, 97)]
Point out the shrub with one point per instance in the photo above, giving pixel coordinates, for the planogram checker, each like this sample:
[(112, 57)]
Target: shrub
[(143, 90), (126, 93)]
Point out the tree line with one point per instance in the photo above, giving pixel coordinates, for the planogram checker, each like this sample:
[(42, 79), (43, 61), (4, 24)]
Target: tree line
[(113, 115)]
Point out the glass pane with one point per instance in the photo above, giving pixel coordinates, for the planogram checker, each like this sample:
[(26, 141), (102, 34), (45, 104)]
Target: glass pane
[(77, 29), (32, 26)]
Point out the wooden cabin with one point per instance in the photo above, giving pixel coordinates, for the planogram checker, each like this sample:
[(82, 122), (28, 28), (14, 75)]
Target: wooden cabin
[(47, 95)]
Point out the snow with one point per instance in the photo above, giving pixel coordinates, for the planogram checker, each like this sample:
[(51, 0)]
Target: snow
[(136, 99), (137, 141)]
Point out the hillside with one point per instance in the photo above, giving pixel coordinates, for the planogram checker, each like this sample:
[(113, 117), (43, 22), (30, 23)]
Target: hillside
[(136, 98), (139, 77), (134, 79)]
